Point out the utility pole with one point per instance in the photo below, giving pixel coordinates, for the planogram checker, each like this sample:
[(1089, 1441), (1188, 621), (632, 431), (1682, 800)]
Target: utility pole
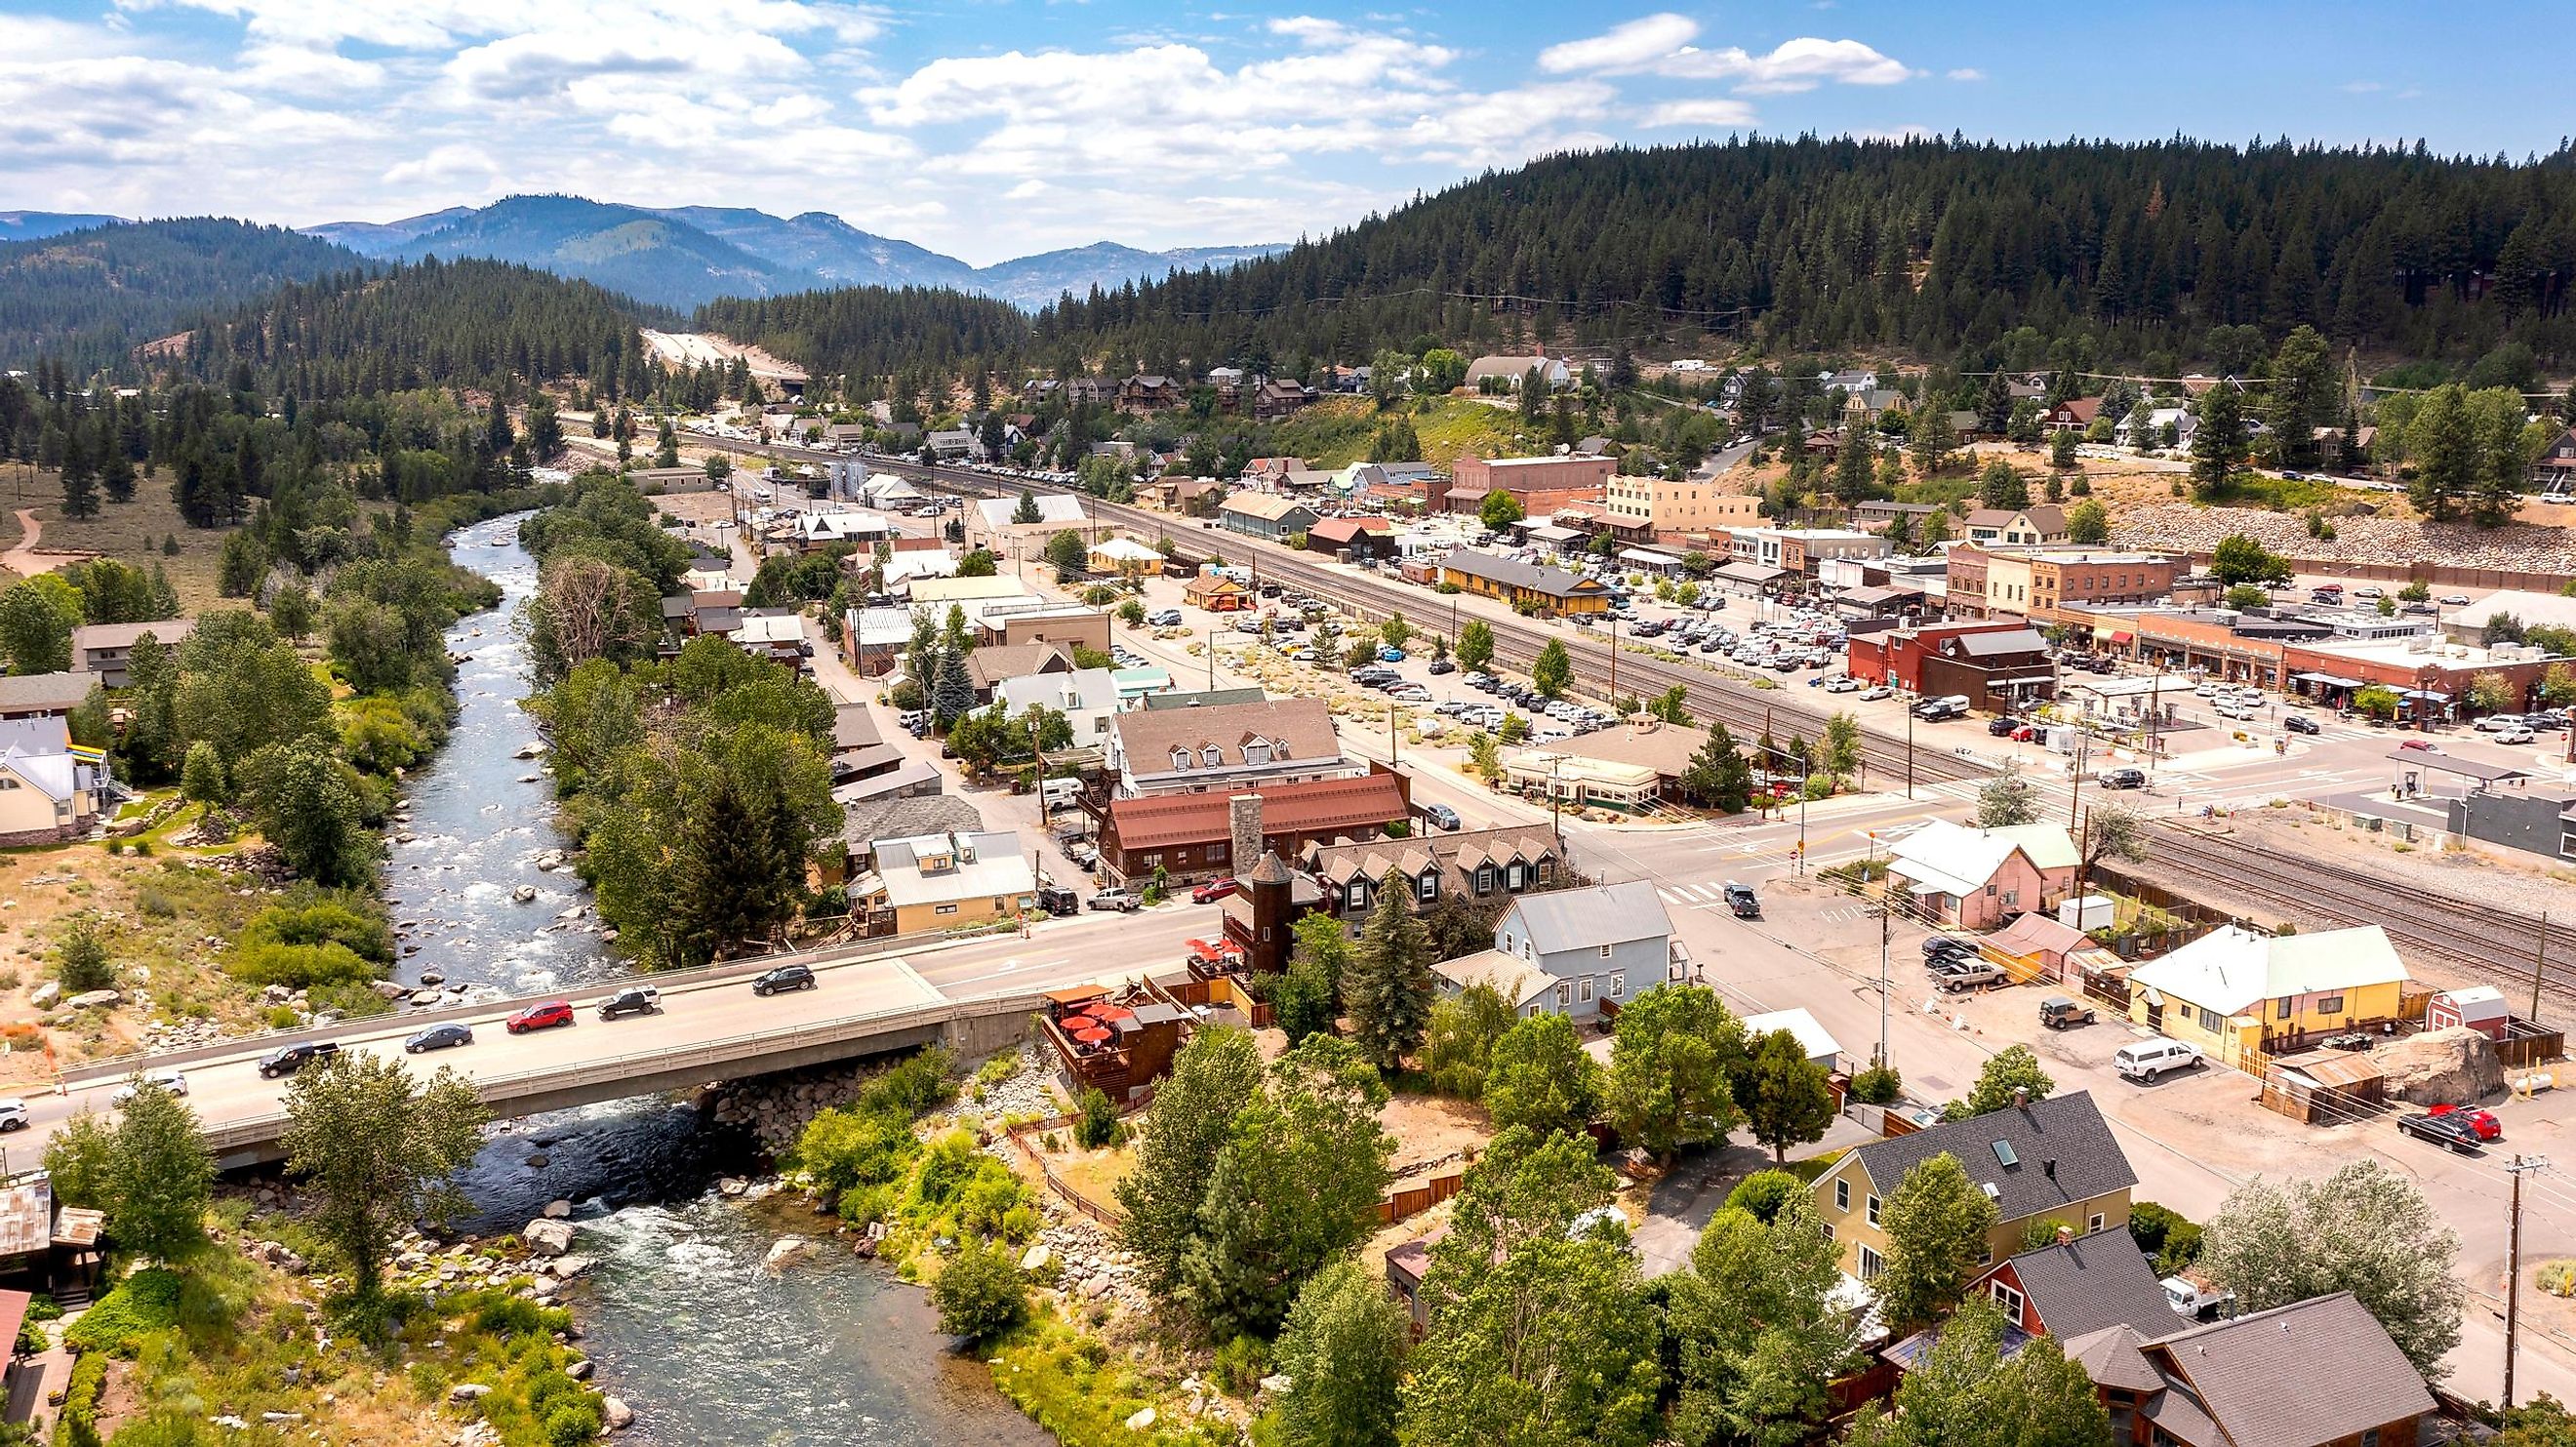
[(2522, 1166), (1909, 751), (1884, 988), (2539, 957)]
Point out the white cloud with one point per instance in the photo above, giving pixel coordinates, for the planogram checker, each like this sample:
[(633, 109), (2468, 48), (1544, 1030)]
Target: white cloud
[(1967, 72), (1632, 45), (1709, 114), (2362, 87)]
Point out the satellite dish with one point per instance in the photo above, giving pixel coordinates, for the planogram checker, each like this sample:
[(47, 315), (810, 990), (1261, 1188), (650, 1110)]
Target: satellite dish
[(2154, 997)]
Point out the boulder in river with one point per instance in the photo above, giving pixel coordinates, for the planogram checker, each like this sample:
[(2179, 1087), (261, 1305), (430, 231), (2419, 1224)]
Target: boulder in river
[(524, 894), (786, 1251), (547, 1237), (616, 1414)]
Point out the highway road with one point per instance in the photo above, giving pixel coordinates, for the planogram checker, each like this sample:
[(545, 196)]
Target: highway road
[(701, 1011)]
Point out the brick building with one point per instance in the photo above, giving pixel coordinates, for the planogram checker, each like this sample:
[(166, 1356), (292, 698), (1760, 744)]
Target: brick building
[(1540, 485), (1997, 665)]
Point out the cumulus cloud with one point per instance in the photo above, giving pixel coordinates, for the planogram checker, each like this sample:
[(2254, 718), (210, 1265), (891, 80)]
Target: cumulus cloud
[(1967, 72), (1633, 45), (1707, 114), (1660, 45)]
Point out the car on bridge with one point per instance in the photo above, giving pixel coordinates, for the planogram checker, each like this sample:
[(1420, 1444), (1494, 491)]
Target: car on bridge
[(444, 1036), (288, 1059), (784, 978), (167, 1080), (544, 1015), (633, 1000)]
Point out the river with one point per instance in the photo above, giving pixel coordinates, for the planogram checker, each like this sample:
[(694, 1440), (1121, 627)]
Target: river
[(687, 1327)]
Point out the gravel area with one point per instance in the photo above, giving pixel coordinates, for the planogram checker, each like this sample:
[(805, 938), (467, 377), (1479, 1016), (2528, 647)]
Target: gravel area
[(2389, 541)]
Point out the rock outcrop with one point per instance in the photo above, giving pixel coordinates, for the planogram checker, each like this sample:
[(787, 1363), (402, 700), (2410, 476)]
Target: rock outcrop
[(2456, 1066)]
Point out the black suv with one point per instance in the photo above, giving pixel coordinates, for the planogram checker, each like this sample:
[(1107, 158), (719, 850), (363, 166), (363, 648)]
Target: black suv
[(288, 1059), (633, 1000), (783, 979), (1057, 900)]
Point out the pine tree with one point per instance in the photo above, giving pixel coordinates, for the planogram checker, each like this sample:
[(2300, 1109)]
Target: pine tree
[(952, 694), (2220, 442), (1386, 990), (80, 479), (1027, 511)]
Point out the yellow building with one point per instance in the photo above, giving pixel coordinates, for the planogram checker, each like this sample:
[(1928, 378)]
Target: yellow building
[(947, 881), (1524, 585), (1674, 508), (47, 796), (2049, 1160), (1125, 558), (2232, 991)]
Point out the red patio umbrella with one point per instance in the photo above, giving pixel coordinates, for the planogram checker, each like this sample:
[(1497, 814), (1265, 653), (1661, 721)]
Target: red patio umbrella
[(1111, 1014), (1091, 1034)]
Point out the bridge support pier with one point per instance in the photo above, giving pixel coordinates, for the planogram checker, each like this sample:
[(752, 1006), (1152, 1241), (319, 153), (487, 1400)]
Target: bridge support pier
[(970, 1037)]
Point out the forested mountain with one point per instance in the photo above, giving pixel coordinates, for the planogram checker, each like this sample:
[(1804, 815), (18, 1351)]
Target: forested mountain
[(684, 255), (1937, 248), (35, 225), (431, 323), (869, 331), (90, 297)]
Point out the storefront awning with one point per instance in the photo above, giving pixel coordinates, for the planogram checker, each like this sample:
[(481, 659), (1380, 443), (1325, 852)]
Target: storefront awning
[(2427, 695), (2030, 680), (1750, 573), (2327, 679), (2124, 636)]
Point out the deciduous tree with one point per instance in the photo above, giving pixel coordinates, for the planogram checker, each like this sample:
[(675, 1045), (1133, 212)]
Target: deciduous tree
[(1785, 1096), (1190, 1121), (2013, 1068), (1672, 1054), (1968, 1391), (1937, 1222), (377, 1151), (2365, 1229), (1342, 1352), (1541, 1078), (1553, 670), (1555, 1344)]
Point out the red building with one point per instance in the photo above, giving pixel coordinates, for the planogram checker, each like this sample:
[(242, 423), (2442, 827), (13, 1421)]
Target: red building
[(1896, 657), (1540, 484)]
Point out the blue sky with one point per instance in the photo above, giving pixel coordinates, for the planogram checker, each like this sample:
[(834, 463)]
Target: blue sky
[(992, 128)]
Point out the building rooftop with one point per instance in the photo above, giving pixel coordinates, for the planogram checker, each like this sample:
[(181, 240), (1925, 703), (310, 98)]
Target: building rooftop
[(1599, 914), (1240, 734), (2045, 1156), (2321, 1370), (1310, 807), (2231, 967), (126, 635), (936, 868)]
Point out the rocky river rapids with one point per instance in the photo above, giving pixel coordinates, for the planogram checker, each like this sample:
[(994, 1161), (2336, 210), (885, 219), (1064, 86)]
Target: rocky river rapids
[(687, 1328)]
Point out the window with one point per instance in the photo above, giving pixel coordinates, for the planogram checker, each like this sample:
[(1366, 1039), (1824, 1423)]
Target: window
[(2207, 1017), (1829, 1230), (1605, 952), (1256, 753), (1870, 1265), (1180, 760), (1151, 862), (2093, 1224), (1527, 951), (1842, 1195), (1987, 1256), (943, 909), (2282, 1008), (1484, 879), (1359, 894), (1216, 852), (2330, 1005), (1873, 1210), (1546, 871), (1211, 756), (1532, 1012), (1587, 989), (1512, 876), (1564, 995), (1430, 887), (1618, 986), (2369, 1437), (2009, 1300)]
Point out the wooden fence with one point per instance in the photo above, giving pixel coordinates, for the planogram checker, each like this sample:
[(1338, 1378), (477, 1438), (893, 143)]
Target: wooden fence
[(1413, 1200)]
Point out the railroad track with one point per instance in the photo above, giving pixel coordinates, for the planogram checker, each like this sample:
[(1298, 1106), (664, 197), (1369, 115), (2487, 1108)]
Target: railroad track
[(2502, 947), (1745, 710)]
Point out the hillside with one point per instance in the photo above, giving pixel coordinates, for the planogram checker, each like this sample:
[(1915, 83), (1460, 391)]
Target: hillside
[(685, 255), (89, 297), (1928, 247)]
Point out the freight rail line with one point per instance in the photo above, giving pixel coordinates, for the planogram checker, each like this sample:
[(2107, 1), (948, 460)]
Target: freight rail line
[(1746, 711), (2502, 946)]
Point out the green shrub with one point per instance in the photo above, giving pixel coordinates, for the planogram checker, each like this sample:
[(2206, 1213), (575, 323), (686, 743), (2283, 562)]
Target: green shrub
[(998, 1069), (300, 967), (145, 1302), (2169, 1238), (1877, 1085), (82, 964), (979, 1293), (1241, 1364), (1099, 1123), (913, 1087), (1764, 1192), (572, 1424)]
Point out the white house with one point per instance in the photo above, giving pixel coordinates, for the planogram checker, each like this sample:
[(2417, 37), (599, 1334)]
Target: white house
[(1510, 371), (2184, 423), (1812, 1037), (1087, 697)]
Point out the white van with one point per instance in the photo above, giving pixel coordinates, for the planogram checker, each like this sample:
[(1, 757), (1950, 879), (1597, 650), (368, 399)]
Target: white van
[(1059, 791), (1550, 732), (2147, 1059)]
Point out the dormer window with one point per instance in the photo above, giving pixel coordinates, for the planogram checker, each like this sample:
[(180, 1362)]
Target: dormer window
[(1211, 756), (1279, 748), (1256, 753), (1180, 760)]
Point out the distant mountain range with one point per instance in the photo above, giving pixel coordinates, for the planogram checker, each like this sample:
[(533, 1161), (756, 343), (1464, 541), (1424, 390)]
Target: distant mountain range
[(37, 225), (685, 255)]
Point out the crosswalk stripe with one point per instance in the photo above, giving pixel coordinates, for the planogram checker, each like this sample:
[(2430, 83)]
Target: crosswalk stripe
[(1673, 896)]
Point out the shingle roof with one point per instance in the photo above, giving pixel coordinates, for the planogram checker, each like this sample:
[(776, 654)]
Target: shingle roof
[(992, 664), (1961, 860), (1464, 851), (1513, 573), (1603, 914), (1304, 726), (126, 635), (865, 821), (1517, 982), (2081, 1286), (58, 692), (2315, 1371), (1268, 506), (1315, 806), (2065, 1129), (2111, 1358)]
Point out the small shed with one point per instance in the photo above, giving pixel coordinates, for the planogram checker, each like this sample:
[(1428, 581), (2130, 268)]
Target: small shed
[(2479, 1007), (1819, 1045), (2324, 1086)]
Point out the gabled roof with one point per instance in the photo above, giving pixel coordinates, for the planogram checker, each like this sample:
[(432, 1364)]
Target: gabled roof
[(2081, 1286), (1516, 980), (1464, 851), (45, 692), (1268, 506), (56, 776), (1056, 508), (1091, 690), (1513, 573), (2066, 1130), (1959, 860), (2321, 1370), (2111, 1357), (1601, 914), (2003, 644), (1294, 728), (2231, 968), (126, 635), (997, 663), (864, 821), (1346, 530)]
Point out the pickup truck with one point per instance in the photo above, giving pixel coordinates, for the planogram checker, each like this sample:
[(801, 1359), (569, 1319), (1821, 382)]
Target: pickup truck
[(2193, 1296), (1959, 973)]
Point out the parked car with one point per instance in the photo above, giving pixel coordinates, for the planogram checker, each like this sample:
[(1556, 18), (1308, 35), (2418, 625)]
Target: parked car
[(2121, 778), (1967, 972), (2300, 724), (2496, 723), (2455, 600), (13, 1115), (2515, 735), (445, 1036), (545, 1015), (1440, 666), (1215, 889), (2441, 1130), (1440, 815), (2484, 1122), (1390, 655), (1164, 618), (1874, 694), (633, 1000), (1939, 947), (783, 979), (1125, 901), (1844, 684), (2196, 1297), (1057, 900), (288, 1059), (2147, 1059), (1741, 899), (2058, 1013)]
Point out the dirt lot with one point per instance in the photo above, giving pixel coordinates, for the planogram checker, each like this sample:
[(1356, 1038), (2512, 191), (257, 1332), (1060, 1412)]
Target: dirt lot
[(133, 532)]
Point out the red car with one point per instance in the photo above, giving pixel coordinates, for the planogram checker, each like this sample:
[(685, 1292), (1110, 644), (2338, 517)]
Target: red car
[(1215, 889), (545, 1015), (2482, 1121), (2426, 745)]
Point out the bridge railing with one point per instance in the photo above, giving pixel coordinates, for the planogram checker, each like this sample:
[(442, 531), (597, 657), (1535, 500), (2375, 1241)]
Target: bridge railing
[(713, 1055)]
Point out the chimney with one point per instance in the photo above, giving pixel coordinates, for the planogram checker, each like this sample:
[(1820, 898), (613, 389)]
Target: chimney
[(2065, 1233), (1243, 829), (2021, 1097), (2048, 1168)]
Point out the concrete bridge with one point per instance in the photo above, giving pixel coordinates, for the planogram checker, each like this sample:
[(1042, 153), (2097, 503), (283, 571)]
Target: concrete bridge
[(974, 995)]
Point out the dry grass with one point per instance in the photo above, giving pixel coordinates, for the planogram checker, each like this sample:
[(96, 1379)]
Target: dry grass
[(131, 532)]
